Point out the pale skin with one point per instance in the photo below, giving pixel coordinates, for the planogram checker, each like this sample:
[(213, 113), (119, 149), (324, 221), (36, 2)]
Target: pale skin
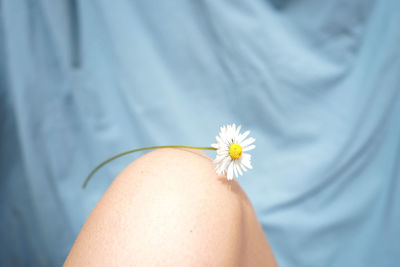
[(169, 208)]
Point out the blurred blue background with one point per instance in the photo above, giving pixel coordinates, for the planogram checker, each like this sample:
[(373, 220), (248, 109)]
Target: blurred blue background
[(317, 83)]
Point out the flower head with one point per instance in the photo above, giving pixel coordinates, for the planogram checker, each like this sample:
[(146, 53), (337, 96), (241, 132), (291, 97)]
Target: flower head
[(231, 145)]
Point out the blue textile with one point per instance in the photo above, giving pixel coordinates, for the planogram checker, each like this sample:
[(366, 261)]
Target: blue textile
[(317, 82)]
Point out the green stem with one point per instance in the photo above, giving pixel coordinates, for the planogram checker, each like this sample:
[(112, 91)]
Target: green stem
[(136, 150)]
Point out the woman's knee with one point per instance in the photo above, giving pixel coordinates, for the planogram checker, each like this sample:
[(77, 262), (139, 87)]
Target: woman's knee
[(169, 207)]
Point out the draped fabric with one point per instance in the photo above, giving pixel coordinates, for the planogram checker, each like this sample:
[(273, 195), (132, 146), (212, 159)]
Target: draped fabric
[(317, 83)]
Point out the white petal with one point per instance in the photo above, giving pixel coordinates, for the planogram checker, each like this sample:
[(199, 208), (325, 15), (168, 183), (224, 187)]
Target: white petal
[(229, 133), (234, 128), (245, 160), (219, 172), (247, 164), (243, 167), (218, 140), (218, 160), (222, 152), (243, 136), (247, 142), (235, 169), (247, 148), (238, 130), (224, 163), (238, 168), (230, 172), (246, 156)]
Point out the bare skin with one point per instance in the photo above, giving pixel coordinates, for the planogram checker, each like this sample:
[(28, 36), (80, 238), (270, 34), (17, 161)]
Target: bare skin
[(169, 208)]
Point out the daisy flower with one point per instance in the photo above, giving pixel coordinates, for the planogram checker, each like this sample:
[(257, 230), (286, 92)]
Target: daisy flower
[(231, 145)]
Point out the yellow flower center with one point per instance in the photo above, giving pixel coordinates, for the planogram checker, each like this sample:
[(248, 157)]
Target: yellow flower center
[(235, 151)]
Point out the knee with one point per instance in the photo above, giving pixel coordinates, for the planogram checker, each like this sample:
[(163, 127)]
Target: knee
[(170, 201)]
